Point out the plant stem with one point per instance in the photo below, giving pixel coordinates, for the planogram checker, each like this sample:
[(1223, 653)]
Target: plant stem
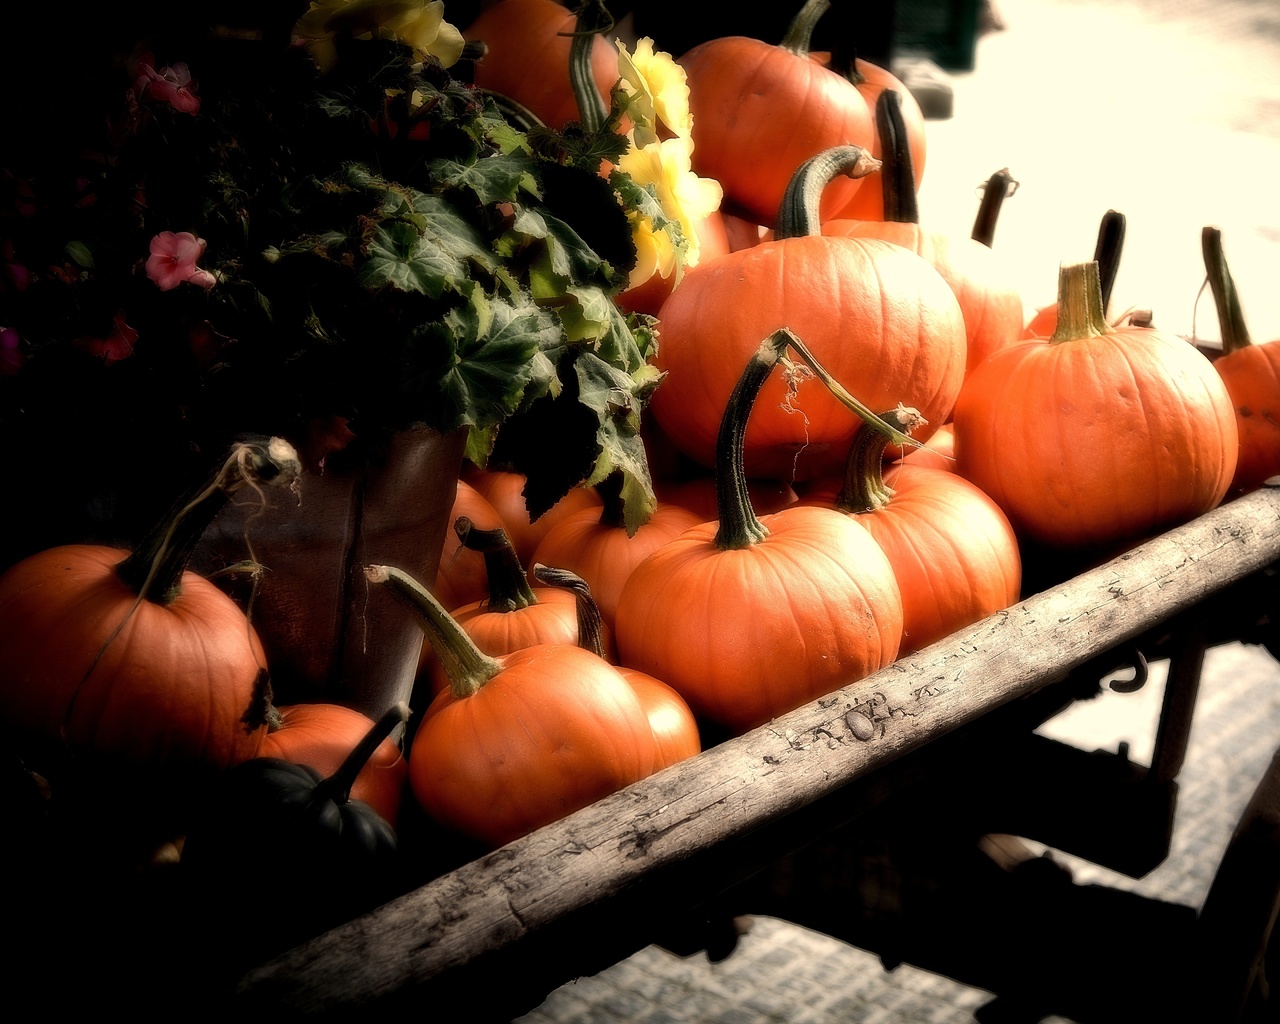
[(154, 569), (739, 527), (864, 489), (593, 18), (1107, 252), (999, 187), (1080, 312), (1235, 332), (337, 787), (590, 625), (799, 36), (509, 589), (897, 174), (467, 667), (798, 211), (613, 510)]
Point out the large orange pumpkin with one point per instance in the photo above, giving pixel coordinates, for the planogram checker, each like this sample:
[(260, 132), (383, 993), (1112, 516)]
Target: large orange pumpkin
[(882, 320), (748, 618), (1099, 434), (952, 549), (518, 741), (989, 299), (128, 659), (761, 109)]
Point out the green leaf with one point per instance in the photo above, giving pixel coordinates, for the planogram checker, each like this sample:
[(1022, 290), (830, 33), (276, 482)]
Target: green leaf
[(495, 179), (496, 344), (401, 258)]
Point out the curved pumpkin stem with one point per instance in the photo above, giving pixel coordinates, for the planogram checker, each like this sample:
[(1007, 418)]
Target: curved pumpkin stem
[(897, 174), (1107, 252), (509, 589), (590, 625), (798, 211), (1080, 313), (154, 569), (739, 527), (864, 489), (799, 36), (467, 667), (999, 187), (1235, 332), (593, 18), (337, 787)]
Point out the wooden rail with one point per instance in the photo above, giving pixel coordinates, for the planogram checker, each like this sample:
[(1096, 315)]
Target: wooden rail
[(740, 785)]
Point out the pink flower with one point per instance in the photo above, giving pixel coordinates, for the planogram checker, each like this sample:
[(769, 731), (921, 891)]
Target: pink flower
[(172, 85), (173, 260), (115, 346)]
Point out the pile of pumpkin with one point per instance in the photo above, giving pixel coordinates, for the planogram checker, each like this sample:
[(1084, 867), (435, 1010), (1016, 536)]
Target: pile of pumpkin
[(855, 445)]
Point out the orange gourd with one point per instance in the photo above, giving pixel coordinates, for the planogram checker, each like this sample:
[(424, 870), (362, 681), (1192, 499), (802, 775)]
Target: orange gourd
[(761, 109), (504, 491), (989, 300), (1250, 371), (322, 736), (1100, 434), (513, 615), (880, 317), (596, 544), (521, 740), (952, 549), (748, 618), (129, 660)]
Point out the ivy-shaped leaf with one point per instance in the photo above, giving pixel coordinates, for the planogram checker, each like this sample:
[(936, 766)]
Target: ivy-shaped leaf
[(401, 258)]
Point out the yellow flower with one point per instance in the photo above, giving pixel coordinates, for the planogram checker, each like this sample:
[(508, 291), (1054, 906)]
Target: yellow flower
[(685, 199), (657, 91), (416, 23)]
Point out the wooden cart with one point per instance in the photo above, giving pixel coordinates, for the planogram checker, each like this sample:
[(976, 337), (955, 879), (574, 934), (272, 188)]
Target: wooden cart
[(859, 814)]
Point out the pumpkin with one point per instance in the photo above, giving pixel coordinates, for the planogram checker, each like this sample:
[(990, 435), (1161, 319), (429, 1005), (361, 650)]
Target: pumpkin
[(952, 549), (761, 109), (504, 491), (675, 730), (128, 658), (514, 614), (871, 80), (526, 59), (521, 740), (1250, 371), (1099, 435), (698, 495), (940, 453), (596, 544), (881, 318), (334, 857), (990, 302), (322, 736), (748, 618)]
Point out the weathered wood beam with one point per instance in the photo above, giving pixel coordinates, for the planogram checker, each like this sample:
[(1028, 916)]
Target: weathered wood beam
[(739, 785)]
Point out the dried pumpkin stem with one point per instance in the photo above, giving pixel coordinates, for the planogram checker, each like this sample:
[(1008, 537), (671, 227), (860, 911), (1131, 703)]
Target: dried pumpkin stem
[(590, 625), (467, 667), (1107, 251), (593, 18), (897, 173), (864, 489), (798, 213), (999, 187), (799, 36), (1235, 332), (1080, 313), (337, 787), (509, 589), (154, 569)]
